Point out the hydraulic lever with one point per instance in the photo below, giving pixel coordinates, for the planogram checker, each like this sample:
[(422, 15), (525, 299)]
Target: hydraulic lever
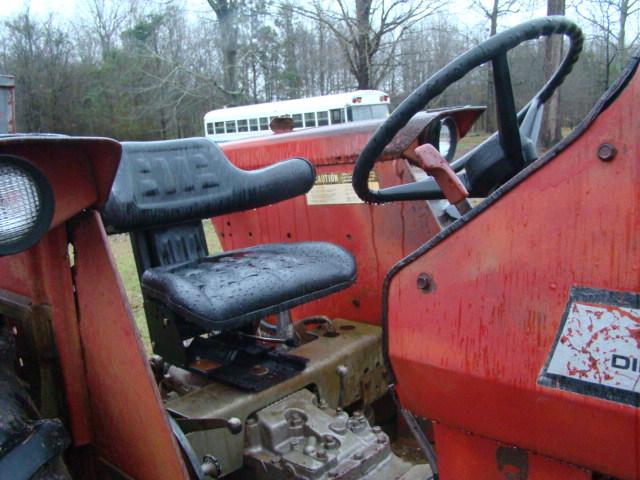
[(433, 163)]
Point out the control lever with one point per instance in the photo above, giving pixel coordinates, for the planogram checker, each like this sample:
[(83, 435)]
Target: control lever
[(431, 161), (188, 425)]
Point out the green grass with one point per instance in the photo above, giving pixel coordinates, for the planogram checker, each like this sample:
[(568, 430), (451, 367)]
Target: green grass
[(121, 248), (471, 140)]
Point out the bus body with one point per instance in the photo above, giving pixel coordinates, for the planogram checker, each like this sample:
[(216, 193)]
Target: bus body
[(247, 121)]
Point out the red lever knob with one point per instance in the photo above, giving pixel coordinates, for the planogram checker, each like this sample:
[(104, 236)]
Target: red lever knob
[(435, 165)]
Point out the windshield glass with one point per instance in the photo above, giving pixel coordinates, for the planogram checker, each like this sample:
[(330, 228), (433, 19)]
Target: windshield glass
[(369, 112)]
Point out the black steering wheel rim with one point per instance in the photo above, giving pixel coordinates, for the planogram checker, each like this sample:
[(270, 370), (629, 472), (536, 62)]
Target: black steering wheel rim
[(492, 48)]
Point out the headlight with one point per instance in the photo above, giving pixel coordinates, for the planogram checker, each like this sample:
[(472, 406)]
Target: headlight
[(26, 204)]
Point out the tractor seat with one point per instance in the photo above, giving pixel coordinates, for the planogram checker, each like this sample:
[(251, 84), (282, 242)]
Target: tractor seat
[(225, 291), (161, 193)]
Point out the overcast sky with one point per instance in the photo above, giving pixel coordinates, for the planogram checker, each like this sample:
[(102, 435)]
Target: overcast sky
[(67, 9)]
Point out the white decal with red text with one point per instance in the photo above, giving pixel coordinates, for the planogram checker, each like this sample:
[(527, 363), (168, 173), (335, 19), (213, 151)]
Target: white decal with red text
[(599, 344)]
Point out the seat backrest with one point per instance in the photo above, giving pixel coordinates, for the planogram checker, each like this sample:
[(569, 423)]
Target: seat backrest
[(175, 181), (164, 189)]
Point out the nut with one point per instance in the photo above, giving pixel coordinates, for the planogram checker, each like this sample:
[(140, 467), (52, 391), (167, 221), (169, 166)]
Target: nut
[(425, 282)]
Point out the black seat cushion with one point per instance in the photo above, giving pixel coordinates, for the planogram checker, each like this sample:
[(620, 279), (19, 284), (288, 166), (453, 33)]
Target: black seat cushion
[(225, 291)]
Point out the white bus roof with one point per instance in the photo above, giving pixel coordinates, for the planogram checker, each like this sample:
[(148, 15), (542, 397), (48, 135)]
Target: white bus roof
[(310, 104)]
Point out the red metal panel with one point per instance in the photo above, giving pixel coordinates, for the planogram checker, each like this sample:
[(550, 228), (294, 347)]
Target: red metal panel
[(129, 421), (80, 170), (370, 233), (468, 354), (378, 236), (43, 274), (462, 455)]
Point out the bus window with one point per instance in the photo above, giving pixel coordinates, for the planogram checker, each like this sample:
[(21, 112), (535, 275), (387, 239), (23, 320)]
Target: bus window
[(369, 112), (323, 118), (209, 128), (297, 120), (243, 126), (310, 119), (253, 124), (231, 126), (264, 123), (219, 127), (337, 116)]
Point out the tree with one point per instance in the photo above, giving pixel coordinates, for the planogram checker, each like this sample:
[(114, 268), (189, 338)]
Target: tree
[(551, 131), (228, 15), (493, 11), (41, 60), (610, 19), (369, 33)]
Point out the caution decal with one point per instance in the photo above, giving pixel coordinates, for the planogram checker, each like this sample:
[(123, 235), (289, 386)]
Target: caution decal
[(336, 189)]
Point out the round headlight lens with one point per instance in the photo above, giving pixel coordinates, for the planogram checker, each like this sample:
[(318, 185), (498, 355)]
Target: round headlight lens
[(26, 204)]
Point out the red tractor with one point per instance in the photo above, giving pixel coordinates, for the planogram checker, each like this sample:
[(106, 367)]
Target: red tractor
[(502, 335)]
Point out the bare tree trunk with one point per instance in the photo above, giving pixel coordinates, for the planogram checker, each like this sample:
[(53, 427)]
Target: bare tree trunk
[(227, 13), (490, 114), (363, 50), (551, 131)]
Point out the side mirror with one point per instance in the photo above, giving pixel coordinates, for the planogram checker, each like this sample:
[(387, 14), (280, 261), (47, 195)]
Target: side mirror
[(26, 204), (444, 136)]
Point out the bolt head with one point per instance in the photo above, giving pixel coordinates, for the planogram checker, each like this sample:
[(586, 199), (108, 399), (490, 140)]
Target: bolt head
[(607, 152), (424, 282)]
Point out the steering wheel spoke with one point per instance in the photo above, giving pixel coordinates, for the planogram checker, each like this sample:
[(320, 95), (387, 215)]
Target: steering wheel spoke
[(508, 127)]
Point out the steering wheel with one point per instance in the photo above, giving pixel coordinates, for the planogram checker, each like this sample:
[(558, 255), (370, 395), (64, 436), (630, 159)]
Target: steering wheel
[(504, 154)]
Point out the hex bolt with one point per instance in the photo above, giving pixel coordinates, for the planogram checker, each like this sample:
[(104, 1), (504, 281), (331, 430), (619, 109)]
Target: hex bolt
[(607, 152), (211, 467), (424, 282), (296, 420), (321, 454), (309, 448), (330, 442)]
